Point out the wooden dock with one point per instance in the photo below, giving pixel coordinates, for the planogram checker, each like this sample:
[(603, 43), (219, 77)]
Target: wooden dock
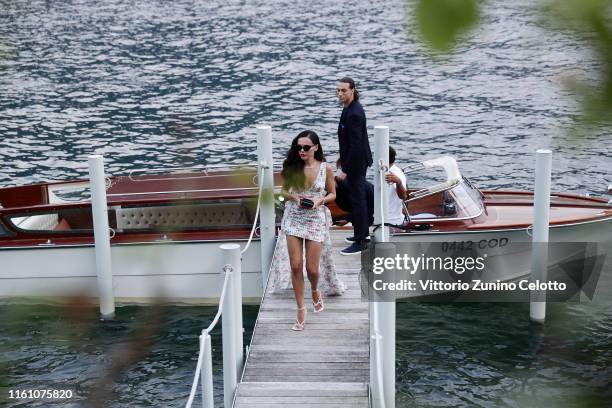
[(324, 366)]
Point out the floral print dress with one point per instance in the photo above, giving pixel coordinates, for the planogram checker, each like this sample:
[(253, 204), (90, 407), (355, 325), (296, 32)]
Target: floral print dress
[(311, 224)]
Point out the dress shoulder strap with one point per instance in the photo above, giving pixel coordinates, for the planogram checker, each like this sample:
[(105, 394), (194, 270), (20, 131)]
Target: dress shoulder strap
[(321, 176)]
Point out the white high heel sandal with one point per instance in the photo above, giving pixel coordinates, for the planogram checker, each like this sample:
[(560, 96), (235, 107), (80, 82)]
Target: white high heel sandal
[(317, 306), (299, 326)]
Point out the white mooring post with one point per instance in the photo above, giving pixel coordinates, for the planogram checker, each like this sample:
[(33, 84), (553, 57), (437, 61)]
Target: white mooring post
[(384, 311), (206, 374), (381, 152), (232, 256), (375, 341), (99, 211), (541, 217), (267, 219), (381, 142), (229, 328)]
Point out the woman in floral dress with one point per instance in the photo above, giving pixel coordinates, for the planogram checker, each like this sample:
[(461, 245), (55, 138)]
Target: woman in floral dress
[(308, 184)]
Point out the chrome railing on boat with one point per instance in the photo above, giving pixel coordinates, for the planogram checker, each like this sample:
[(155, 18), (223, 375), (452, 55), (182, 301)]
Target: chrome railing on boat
[(202, 171), (255, 181), (205, 190)]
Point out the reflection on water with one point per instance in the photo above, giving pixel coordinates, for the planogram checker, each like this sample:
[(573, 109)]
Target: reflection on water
[(147, 355), (489, 355), (152, 84)]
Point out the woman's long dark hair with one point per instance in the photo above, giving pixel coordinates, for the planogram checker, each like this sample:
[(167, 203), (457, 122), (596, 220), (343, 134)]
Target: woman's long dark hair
[(293, 166)]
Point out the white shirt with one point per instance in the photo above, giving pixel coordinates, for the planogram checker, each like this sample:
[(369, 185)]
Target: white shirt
[(396, 214)]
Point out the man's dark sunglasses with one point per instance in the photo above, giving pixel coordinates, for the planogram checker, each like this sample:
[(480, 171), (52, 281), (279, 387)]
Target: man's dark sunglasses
[(304, 147)]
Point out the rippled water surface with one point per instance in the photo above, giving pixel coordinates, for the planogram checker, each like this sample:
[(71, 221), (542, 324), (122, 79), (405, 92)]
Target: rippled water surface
[(145, 357), (166, 84), (489, 355)]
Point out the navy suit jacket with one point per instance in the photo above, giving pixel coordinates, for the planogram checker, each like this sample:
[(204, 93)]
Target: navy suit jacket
[(355, 153)]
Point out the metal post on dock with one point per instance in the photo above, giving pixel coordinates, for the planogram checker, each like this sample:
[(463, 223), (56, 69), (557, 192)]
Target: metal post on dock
[(375, 386), (267, 224), (99, 211), (541, 218), (381, 155), (381, 139), (233, 257), (383, 312), (206, 373), (229, 325)]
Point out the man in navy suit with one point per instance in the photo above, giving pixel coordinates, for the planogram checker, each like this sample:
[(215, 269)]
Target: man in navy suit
[(355, 158)]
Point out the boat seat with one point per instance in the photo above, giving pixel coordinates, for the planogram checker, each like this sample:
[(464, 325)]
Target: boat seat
[(423, 216), (183, 216), (37, 222)]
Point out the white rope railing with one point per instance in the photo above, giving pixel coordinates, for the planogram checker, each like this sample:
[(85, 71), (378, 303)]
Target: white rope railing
[(228, 270), (262, 168), (205, 335)]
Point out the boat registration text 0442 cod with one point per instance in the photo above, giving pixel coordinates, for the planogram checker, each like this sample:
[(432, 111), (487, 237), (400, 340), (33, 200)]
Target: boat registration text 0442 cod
[(469, 245)]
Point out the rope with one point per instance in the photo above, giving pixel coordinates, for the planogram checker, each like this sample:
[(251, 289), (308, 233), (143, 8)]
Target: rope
[(403, 227), (227, 269), (261, 176), (194, 386)]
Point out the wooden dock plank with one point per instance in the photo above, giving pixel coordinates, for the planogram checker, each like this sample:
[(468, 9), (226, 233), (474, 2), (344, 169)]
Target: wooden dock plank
[(324, 366)]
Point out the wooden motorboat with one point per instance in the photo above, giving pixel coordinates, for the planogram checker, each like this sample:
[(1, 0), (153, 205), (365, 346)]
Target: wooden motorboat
[(453, 208), (165, 235), (166, 229), (464, 219)]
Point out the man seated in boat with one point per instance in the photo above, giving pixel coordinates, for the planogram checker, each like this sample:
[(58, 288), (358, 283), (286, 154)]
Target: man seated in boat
[(397, 193)]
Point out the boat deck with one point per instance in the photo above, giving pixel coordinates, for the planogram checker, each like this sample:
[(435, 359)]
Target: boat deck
[(324, 366)]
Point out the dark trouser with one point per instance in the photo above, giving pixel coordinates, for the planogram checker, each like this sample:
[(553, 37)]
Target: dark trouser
[(358, 198), (343, 198)]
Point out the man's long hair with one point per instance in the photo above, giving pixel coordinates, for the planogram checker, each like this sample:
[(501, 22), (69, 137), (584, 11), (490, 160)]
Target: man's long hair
[(349, 80), (293, 166)]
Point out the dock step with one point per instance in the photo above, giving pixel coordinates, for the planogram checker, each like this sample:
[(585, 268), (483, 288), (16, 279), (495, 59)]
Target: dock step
[(302, 394)]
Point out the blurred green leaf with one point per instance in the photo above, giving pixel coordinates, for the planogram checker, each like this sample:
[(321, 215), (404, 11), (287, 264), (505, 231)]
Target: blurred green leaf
[(441, 22), (591, 21)]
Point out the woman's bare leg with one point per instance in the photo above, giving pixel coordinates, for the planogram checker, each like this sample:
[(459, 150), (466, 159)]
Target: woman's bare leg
[(313, 255), (294, 247)]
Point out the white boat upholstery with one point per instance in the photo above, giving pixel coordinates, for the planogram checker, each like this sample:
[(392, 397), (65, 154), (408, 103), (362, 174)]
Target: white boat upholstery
[(423, 216), (183, 216), (38, 222)]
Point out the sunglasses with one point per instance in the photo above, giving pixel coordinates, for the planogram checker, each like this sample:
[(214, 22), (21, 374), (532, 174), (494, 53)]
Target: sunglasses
[(304, 147)]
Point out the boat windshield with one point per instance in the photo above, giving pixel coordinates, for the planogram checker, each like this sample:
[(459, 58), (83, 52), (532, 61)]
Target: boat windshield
[(449, 195), (463, 201), (467, 200)]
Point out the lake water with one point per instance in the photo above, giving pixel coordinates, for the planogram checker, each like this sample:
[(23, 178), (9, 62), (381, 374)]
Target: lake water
[(173, 84)]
